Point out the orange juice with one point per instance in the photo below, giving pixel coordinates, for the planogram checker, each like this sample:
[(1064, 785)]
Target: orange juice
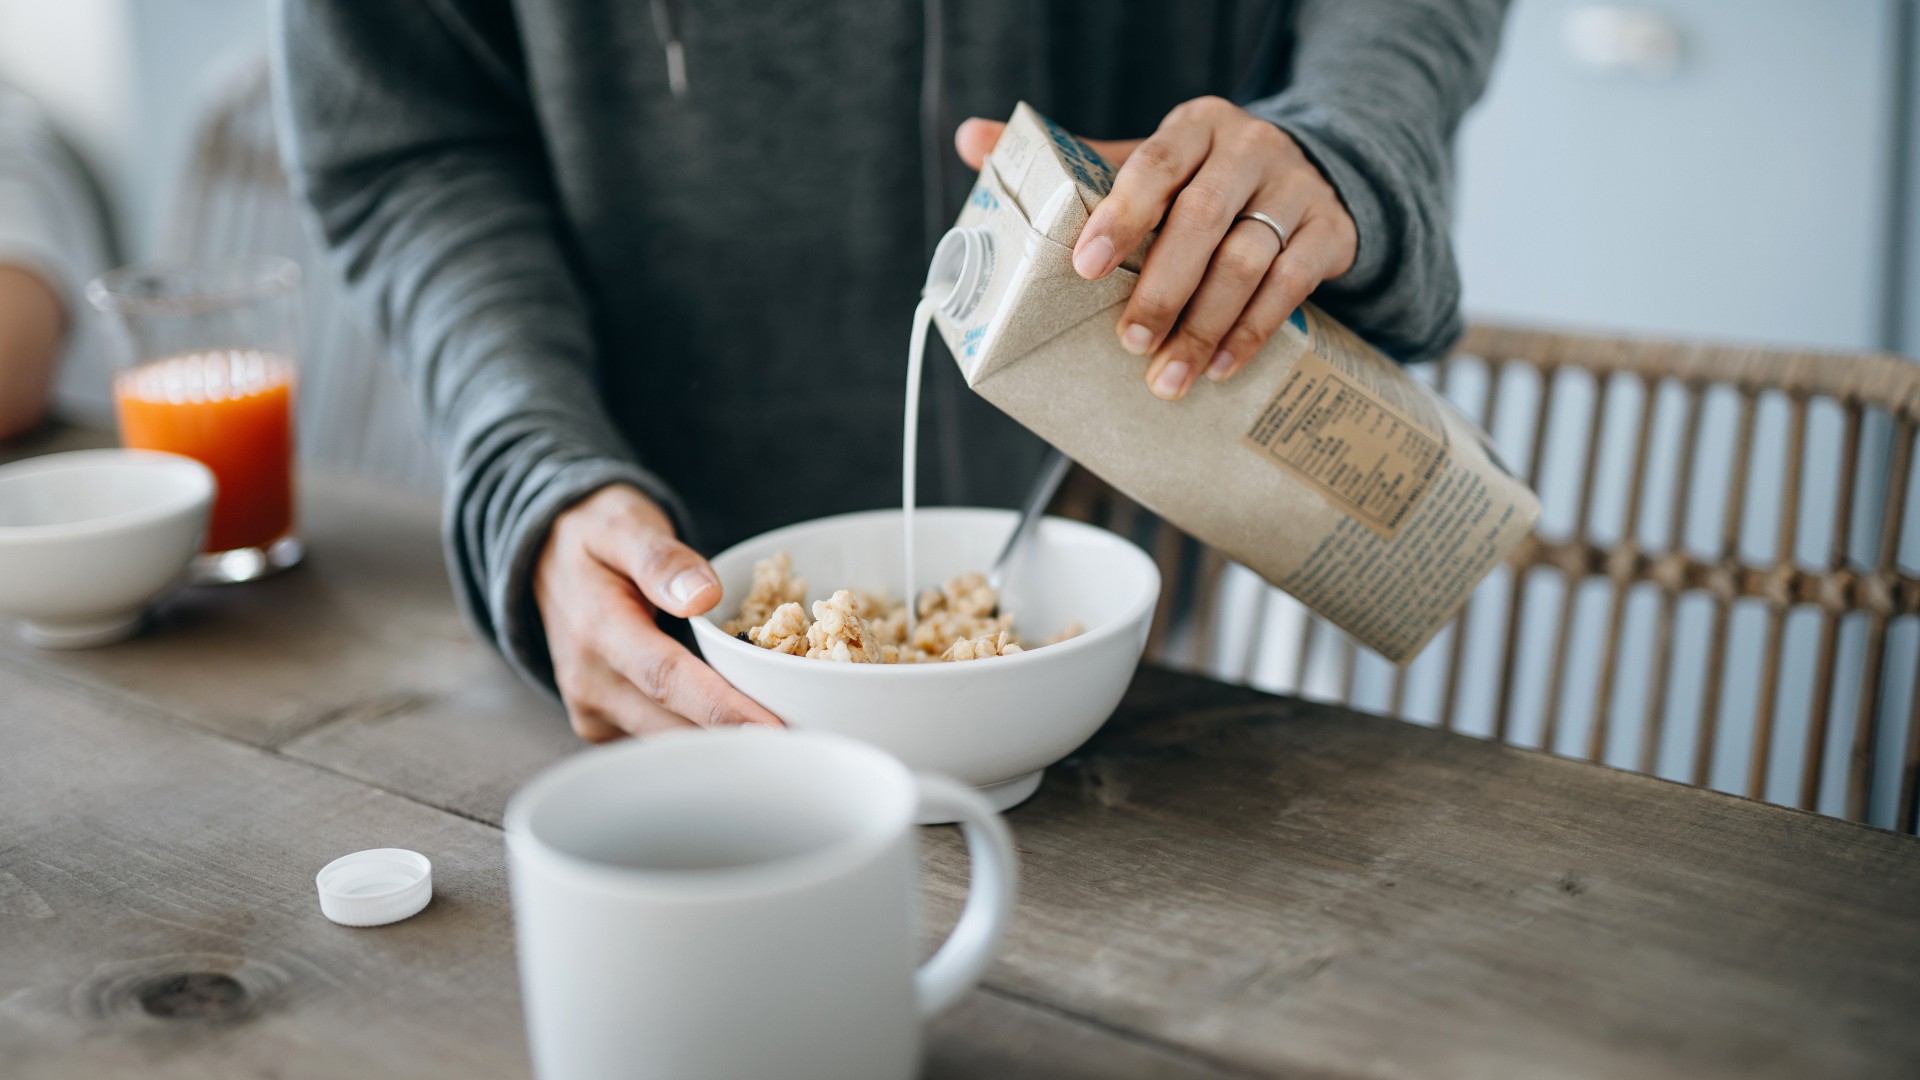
[(232, 410)]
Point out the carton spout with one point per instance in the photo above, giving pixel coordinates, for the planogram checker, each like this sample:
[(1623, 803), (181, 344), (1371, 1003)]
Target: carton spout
[(962, 267)]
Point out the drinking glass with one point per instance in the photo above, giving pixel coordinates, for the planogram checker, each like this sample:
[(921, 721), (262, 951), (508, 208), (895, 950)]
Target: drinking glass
[(205, 368)]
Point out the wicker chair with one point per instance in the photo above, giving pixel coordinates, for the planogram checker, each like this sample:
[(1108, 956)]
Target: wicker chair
[(1794, 587), (234, 200)]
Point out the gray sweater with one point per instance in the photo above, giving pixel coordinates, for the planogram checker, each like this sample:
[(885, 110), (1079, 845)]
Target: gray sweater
[(588, 279)]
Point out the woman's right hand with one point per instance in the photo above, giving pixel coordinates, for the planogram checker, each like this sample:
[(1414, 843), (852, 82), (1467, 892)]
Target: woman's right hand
[(610, 564)]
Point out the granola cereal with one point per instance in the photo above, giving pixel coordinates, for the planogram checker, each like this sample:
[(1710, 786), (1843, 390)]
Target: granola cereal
[(773, 585), (999, 643), (837, 632), (961, 620), (784, 631)]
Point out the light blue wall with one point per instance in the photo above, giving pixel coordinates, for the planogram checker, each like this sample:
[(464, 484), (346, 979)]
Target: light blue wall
[(181, 50), (1742, 196)]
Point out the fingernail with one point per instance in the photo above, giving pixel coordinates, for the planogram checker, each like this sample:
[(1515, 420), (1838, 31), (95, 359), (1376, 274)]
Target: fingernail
[(1167, 384), (689, 584), (1136, 339), (1221, 364), (1092, 259)]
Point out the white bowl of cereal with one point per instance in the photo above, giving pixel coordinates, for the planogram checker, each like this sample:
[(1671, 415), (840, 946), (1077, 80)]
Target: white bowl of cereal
[(1018, 702)]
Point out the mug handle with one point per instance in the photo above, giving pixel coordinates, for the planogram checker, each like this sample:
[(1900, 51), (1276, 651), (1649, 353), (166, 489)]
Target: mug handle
[(995, 873)]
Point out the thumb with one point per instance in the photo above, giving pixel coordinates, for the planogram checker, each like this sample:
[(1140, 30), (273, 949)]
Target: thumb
[(671, 575), (975, 139)]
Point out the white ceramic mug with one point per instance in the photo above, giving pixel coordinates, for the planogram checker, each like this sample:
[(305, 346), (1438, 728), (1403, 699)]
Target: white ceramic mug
[(739, 904)]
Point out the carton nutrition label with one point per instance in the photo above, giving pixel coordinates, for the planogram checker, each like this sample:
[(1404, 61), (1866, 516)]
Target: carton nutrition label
[(1368, 457)]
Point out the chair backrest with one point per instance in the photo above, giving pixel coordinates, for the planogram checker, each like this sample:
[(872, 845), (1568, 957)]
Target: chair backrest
[(234, 200), (1724, 588)]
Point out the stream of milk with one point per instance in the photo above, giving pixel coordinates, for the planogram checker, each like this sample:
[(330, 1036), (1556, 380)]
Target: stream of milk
[(910, 447)]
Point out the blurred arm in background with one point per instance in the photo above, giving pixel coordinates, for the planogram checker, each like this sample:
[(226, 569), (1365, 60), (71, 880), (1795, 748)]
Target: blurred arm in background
[(53, 238), (32, 328)]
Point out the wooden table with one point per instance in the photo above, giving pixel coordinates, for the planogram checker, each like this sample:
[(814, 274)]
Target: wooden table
[(1222, 883)]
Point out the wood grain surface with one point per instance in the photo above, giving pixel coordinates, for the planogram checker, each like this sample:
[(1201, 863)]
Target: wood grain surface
[(158, 919), (1222, 883), (368, 617), (1283, 886)]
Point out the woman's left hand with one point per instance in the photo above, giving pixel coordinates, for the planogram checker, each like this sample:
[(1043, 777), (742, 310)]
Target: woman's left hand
[(1215, 285)]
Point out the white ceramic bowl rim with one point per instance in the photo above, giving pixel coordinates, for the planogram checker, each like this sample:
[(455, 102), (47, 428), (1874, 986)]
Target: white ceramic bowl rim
[(164, 505), (1149, 592)]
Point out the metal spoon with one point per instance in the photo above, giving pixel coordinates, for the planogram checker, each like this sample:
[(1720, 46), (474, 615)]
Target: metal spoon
[(1052, 472)]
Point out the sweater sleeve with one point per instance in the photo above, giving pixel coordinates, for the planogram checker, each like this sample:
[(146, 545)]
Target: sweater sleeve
[(407, 129), (1377, 91)]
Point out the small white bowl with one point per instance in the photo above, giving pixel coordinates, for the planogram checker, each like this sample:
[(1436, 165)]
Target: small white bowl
[(995, 723), (88, 539)]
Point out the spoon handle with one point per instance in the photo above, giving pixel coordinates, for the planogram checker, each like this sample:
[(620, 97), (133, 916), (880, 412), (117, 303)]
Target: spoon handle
[(1052, 472)]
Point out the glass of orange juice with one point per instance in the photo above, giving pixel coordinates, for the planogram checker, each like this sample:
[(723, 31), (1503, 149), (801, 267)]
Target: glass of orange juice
[(206, 369)]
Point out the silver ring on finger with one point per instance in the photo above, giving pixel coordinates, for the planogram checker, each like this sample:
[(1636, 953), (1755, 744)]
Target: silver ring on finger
[(1279, 231)]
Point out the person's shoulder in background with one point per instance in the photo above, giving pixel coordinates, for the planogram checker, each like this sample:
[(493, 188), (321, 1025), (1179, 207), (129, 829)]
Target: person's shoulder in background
[(54, 238)]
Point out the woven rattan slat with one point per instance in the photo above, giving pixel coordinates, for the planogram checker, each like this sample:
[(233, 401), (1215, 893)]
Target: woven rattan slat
[(1250, 649), (1707, 729), (1206, 624), (1167, 549), (1570, 580), (1619, 575), (1879, 611), (1309, 636), (1785, 539), (1909, 805), (1888, 381), (1488, 416), (1654, 725), (1503, 713), (1826, 653)]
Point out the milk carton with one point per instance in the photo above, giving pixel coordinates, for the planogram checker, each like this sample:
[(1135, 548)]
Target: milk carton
[(1322, 465)]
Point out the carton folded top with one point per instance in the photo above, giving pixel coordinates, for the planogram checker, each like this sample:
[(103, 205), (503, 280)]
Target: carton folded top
[(1035, 194)]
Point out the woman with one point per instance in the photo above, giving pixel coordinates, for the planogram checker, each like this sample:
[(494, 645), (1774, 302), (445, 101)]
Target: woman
[(649, 270)]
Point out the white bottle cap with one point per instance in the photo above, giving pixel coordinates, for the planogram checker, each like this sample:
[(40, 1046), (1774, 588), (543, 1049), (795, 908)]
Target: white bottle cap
[(375, 887), (962, 269)]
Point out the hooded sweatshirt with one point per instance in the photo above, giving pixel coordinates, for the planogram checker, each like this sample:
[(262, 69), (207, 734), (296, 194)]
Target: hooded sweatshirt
[(678, 245)]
